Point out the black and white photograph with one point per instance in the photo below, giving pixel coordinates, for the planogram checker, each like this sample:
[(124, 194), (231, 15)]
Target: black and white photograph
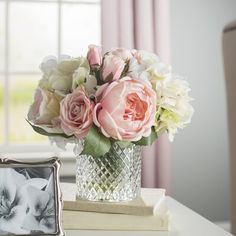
[(28, 200)]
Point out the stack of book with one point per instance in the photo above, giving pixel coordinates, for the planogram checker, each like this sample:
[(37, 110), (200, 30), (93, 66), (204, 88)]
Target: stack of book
[(149, 212)]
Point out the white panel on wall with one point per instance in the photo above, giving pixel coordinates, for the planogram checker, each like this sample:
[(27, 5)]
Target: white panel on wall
[(200, 152), (33, 33), (2, 35), (76, 34)]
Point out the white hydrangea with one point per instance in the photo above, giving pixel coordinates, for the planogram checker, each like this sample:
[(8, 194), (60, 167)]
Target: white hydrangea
[(57, 74), (142, 61), (148, 66), (173, 108), (82, 76)]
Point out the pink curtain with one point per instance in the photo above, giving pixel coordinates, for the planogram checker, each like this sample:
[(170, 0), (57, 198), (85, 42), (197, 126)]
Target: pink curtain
[(142, 24)]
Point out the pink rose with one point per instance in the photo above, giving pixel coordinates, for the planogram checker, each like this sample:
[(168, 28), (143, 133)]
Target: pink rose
[(76, 113), (126, 109), (94, 56), (45, 110), (113, 67)]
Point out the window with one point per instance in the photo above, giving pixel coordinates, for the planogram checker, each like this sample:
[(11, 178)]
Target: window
[(29, 31)]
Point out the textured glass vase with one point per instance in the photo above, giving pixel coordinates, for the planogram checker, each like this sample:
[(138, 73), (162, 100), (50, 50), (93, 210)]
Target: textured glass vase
[(114, 177)]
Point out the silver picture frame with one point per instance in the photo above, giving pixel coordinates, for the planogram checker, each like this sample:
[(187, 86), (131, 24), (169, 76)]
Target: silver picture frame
[(25, 170)]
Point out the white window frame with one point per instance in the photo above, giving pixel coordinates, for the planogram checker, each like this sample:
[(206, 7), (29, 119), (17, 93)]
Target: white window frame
[(28, 150)]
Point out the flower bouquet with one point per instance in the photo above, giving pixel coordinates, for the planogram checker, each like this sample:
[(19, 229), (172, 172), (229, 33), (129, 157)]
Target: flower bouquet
[(112, 104)]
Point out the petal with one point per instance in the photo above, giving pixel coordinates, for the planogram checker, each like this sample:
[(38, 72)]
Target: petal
[(66, 129), (20, 179), (48, 224), (147, 132), (113, 98), (7, 184), (91, 83), (50, 210), (13, 223), (38, 183), (34, 108), (37, 200), (96, 110), (109, 89), (108, 124), (48, 64), (81, 133), (101, 90), (30, 223), (50, 186)]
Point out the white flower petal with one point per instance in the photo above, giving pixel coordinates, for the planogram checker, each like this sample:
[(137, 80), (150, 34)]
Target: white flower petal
[(37, 200), (13, 222), (49, 63), (30, 223), (7, 184), (48, 225), (90, 85), (20, 179), (173, 100), (50, 185), (38, 183), (50, 210)]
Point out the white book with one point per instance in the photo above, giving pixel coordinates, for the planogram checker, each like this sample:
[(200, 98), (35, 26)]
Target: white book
[(80, 220), (149, 204)]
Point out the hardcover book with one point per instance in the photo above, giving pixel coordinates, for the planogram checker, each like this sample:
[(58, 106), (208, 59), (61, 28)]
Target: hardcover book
[(148, 204), (150, 212)]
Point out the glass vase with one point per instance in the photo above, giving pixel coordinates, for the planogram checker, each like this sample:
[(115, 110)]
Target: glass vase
[(114, 177)]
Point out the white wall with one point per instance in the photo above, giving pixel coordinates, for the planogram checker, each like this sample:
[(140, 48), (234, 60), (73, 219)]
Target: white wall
[(200, 152)]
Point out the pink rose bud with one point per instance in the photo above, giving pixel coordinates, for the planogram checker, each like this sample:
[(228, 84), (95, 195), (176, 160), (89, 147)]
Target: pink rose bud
[(113, 67), (76, 113), (126, 109), (94, 56)]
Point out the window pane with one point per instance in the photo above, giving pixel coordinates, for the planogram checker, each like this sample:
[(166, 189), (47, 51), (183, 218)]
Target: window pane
[(80, 27), (1, 111), (21, 96), (2, 34), (33, 34)]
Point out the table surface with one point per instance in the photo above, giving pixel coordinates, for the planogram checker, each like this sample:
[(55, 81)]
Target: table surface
[(184, 222)]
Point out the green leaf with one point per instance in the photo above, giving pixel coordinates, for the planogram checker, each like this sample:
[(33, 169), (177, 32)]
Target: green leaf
[(95, 143), (98, 75), (41, 131), (123, 144), (147, 141), (126, 69), (109, 78)]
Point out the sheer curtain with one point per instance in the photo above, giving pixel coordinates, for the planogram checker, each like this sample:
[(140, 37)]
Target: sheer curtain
[(142, 24)]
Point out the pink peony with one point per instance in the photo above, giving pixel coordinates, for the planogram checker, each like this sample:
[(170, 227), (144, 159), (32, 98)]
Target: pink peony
[(126, 109), (94, 56), (76, 113)]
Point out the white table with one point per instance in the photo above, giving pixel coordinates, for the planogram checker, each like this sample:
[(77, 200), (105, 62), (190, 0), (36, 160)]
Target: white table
[(184, 222)]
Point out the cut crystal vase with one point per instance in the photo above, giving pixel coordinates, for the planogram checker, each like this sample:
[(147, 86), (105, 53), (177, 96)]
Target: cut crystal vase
[(114, 177)]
